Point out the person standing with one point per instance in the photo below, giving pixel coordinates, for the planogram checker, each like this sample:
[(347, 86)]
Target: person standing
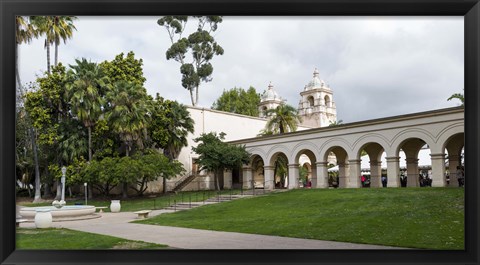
[(460, 176), (384, 181)]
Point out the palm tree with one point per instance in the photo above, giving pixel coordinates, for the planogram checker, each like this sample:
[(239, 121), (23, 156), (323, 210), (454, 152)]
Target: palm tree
[(84, 89), (284, 118), (180, 124), (55, 29), (458, 96), (335, 123), (62, 28), (43, 24), (128, 114)]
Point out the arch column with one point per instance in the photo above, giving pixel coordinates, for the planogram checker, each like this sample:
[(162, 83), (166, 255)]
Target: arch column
[(438, 170), (342, 175), (453, 162), (322, 175), (375, 173), (355, 171), (412, 172), (293, 175), (269, 178), (393, 171), (227, 179), (247, 177)]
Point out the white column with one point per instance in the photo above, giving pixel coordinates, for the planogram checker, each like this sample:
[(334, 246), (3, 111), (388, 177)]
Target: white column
[(322, 175), (393, 171), (412, 172), (438, 170), (227, 179), (293, 175), (269, 178), (247, 177), (355, 171), (342, 175), (375, 173), (453, 162), (313, 175)]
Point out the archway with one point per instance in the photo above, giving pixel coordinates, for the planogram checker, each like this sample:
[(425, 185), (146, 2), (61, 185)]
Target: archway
[(276, 173), (373, 169), (258, 169), (342, 166), (417, 174), (307, 161), (454, 147), (328, 103), (311, 101)]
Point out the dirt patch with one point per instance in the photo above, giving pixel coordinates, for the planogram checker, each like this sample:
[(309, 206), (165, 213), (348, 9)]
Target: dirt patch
[(130, 245)]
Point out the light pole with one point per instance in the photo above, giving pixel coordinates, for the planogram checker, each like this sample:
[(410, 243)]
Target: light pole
[(85, 184), (64, 170)]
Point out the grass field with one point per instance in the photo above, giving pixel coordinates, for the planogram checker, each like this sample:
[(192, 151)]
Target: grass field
[(143, 203), (63, 239), (428, 218)]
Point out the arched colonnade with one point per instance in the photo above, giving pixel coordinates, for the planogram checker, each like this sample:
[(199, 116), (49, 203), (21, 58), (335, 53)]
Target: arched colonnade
[(442, 131)]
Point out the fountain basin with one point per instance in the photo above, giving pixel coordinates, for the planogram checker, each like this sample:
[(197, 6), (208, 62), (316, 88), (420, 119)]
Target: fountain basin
[(66, 212)]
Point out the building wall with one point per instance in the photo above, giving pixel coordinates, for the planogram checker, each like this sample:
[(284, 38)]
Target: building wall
[(206, 120)]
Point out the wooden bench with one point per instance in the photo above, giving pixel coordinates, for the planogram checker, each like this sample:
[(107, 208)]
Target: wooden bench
[(18, 221), (143, 213), (101, 208)]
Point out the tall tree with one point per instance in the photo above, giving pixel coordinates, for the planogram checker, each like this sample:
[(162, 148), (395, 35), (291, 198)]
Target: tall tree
[(62, 28), (215, 155), (85, 85), (239, 101), (128, 115), (200, 45), (170, 125), (55, 29), (24, 33), (124, 69), (284, 118)]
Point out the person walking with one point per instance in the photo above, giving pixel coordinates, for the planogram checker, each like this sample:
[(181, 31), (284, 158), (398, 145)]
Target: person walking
[(460, 176)]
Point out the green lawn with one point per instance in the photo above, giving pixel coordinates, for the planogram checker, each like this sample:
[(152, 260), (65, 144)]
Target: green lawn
[(429, 218), (62, 239), (145, 203)]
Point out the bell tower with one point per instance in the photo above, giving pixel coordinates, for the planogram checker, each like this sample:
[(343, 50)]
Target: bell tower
[(269, 100), (316, 107)]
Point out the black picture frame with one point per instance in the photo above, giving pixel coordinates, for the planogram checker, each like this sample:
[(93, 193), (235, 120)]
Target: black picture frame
[(470, 9)]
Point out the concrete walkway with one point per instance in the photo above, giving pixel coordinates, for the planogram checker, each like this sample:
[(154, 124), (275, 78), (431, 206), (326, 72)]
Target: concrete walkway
[(117, 224)]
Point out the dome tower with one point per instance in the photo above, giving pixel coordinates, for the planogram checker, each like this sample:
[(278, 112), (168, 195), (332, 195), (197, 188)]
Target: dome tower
[(269, 100), (316, 106)]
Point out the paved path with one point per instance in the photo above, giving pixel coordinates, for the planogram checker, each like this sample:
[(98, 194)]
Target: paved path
[(117, 224)]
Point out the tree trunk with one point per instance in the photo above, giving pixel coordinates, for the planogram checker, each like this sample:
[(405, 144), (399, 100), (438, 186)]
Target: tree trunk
[(48, 57), (125, 190), (164, 185), (90, 192), (58, 184), (56, 53), (38, 193), (90, 143), (215, 177), (191, 97), (196, 96)]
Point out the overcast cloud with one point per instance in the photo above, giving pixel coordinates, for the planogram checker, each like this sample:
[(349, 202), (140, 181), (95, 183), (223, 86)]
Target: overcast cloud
[(376, 66)]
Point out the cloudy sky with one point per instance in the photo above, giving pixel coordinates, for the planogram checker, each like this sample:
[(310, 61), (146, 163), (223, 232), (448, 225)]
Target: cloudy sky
[(376, 66)]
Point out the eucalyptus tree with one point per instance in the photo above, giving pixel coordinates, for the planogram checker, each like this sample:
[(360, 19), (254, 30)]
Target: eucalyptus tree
[(128, 115), (284, 118), (200, 44), (86, 83)]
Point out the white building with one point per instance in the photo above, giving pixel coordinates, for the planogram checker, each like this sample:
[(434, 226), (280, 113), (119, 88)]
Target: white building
[(237, 127)]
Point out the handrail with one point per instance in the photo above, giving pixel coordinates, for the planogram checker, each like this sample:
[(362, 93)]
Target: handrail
[(184, 177)]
